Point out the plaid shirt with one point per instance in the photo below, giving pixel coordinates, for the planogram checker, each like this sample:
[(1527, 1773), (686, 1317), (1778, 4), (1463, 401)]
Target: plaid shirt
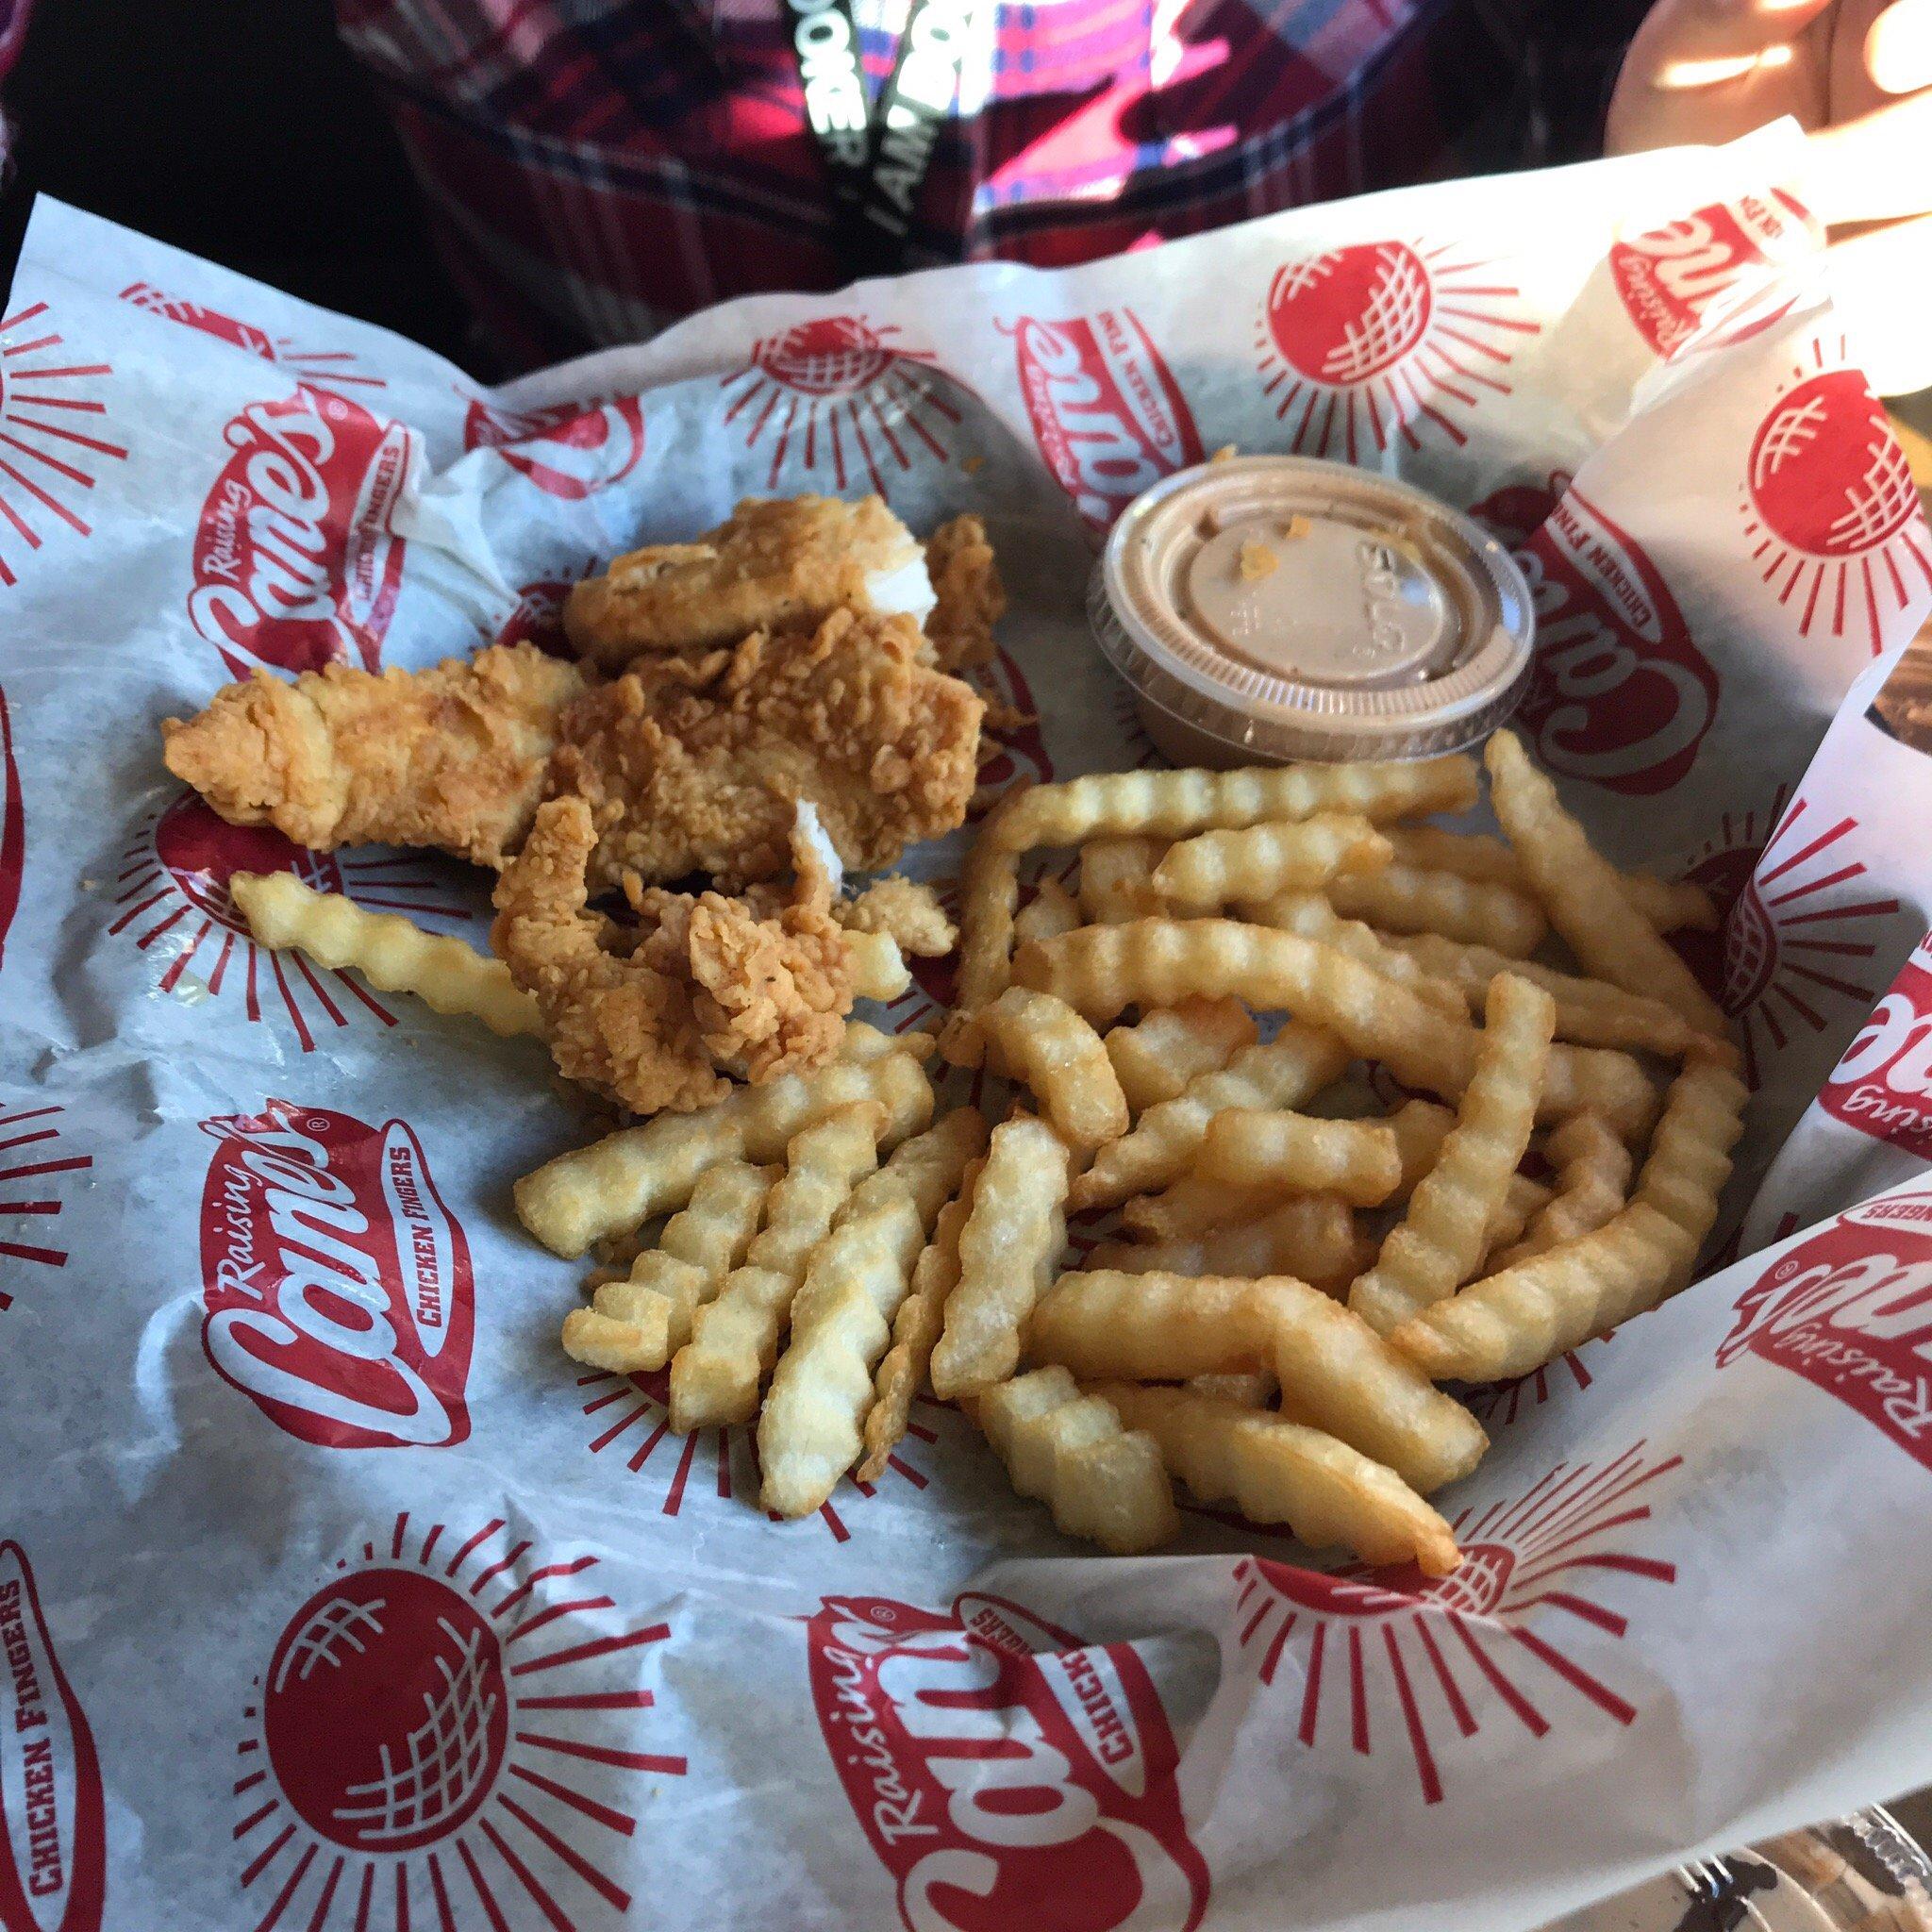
[(598, 168)]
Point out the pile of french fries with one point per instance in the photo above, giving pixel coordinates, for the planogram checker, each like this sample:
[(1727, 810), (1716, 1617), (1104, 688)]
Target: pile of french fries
[(1491, 1118)]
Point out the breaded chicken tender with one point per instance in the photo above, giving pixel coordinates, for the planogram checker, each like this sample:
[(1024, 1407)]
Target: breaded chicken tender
[(968, 596), (453, 757), (784, 563), (909, 913)]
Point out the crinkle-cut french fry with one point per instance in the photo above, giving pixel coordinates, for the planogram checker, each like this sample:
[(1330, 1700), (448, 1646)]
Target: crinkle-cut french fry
[(1313, 1240), (1583, 893), (988, 892), (628, 1176), (915, 1330), (1523, 1200), (1155, 1058), (1175, 805), (1598, 1080), (1671, 904), (641, 1320), (1310, 915), (809, 1430), (1514, 1321), (1212, 869), (1117, 880), (1191, 1206), (1297, 1154), (1667, 904), (1590, 1011), (389, 952), (1289, 1070), (735, 1337), (1009, 1251), (1276, 1471), (1420, 1127), (1051, 910), (1101, 1481), (878, 967), (1441, 1241), (1592, 1168), (1401, 898), (1255, 1389), (1042, 1043), (1333, 1367), (1100, 969)]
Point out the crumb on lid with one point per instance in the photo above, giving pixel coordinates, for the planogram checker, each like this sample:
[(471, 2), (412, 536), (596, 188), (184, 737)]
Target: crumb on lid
[(1225, 452), (1296, 528), (1256, 559)]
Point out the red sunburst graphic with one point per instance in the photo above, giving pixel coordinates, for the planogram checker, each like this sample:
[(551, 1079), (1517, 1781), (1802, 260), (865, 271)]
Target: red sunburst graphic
[(1496, 1405), (173, 887), (30, 1158), (1779, 961), (50, 421), (327, 369), (409, 1747), (1012, 754), (1368, 343), (1395, 1659), (838, 399), (633, 1423), (1828, 503)]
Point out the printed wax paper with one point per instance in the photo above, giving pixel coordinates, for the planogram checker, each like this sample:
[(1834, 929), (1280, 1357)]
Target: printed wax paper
[(334, 1596)]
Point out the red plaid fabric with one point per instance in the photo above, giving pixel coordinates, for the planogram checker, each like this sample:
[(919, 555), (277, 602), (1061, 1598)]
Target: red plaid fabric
[(598, 168)]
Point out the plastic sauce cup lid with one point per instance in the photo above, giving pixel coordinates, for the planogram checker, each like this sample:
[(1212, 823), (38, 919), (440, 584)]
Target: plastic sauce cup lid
[(1290, 609)]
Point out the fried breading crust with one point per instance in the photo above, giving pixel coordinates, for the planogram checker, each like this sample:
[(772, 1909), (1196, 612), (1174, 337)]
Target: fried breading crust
[(695, 763), (968, 597), (453, 757), (909, 912)]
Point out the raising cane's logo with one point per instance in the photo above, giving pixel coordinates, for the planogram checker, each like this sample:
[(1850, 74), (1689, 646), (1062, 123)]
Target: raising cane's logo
[(1620, 694), (1108, 416), (52, 1837), (1883, 1085), (296, 564), (337, 1285), (1377, 342), (320, 368), (444, 1735), (12, 829), (1002, 1771), (570, 450), (1850, 1310)]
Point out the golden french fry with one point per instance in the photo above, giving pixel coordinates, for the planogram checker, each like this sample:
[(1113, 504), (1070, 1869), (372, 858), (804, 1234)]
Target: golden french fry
[(915, 1329), (1333, 1367), (1289, 1070), (1100, 969), (878, 967), (1592, 1169), (1155, 1058), (810, 1431), (1276, 1471), (1312, 1240), (1212, 869), (1175, 805), (1671, 904), (1420, 1127), (1666, 903), (734, 1340), (1192, 1206), (1441, 1241), (1008, 1250), (1598, 1080), (1042, 1043), (1402, 899), (1523, 1200), (1583, 893), (1512, 1321), (1296, 1153), (989, 891), (628, 1176), (1310, 915), (1051, 910), (642, 1319), (389, 952), (1117, 880), (1101, 1481)]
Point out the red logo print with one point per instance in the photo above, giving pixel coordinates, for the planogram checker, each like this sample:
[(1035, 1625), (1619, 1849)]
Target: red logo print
[(1703, 275), (295, 562), (12, 829), (53, 1831), (1513, 513), (1780, 961), (1379, 341), (1620, 695), (1002, 1771), (1850, 1310), (1829, 507), (836, 399), (570, 450), (1108, 416), (1496, 1405), (1416, 1663), (51, 420), (438, 1736), (320, 368), (336, 1283), (30, 1156), (537, 618), (1883, 1085), (177, 867)]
